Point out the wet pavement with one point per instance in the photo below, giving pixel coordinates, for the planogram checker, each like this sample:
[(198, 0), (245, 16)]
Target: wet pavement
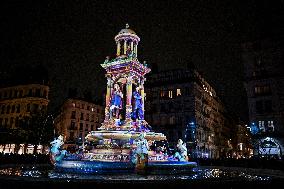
[(43, 176)]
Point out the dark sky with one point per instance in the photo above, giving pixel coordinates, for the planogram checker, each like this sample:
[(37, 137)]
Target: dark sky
[(71, 38)]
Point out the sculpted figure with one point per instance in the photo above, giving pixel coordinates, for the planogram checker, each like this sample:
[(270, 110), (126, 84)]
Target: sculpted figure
[(181, 154), (116, 101), (138, 111), (140, 153), (56, 154)]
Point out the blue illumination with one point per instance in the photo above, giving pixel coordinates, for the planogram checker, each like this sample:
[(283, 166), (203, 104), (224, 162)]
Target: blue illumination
[(254, 128)]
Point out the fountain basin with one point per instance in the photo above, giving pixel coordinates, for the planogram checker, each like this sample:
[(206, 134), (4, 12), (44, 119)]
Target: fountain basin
[(101, 167)]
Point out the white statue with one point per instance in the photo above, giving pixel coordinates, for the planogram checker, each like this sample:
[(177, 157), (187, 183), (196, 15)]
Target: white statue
[(181, 154), (141, 151), (56, 144), (55, 153)]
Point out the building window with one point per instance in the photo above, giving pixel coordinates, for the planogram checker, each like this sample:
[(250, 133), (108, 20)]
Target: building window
[(178, 92), (11, 122), (21, 93), (45, 94), (82, 116), (37, 93), (92, 117), (88, 107), (92, 127), (81, 126), (17, 122), (35, 107), (6, 122), (8, 109), (44, 107), (93, 109), (87, 117), (270, 126), (163, 93), (268, 106), (73, 115), (172, 120), (15, 94), (13, 109), (73, 125), (3, 109), (170, 94), (258, 107), (261, 126), (18, 108), (28, 107), (71, 137), (262, 90), (87, 127), (30, 92)]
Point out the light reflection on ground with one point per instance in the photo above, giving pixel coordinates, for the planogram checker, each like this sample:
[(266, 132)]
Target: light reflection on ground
[(199, 173)]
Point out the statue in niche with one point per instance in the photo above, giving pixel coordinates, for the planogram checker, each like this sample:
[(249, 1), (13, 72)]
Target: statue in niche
[(128, 51), (138, 109), (116, 101)]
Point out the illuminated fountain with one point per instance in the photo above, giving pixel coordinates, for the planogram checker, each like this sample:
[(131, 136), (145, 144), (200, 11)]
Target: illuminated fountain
[(125, 140)]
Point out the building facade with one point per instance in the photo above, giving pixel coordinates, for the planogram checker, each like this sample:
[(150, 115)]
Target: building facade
[(76, 119), (264, 82), (21, 101), (181, 104), (17, 103)]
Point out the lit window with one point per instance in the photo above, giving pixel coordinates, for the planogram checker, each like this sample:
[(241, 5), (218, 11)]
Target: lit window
[(93, 109), (178, 92), (241, 146), (170, 94), (73, 104), (28, 107), (270, 126), (172, 120), (162, 93), (261, 126)]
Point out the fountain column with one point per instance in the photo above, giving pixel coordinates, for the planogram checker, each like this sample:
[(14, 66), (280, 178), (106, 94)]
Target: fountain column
[(128, 99), (142, 95), (108, 93), (125, 46), (131, 46), (118, 48), (135, 44)]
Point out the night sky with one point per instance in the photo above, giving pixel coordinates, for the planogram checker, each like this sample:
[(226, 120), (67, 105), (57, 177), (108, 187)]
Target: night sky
[(71, 39)]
